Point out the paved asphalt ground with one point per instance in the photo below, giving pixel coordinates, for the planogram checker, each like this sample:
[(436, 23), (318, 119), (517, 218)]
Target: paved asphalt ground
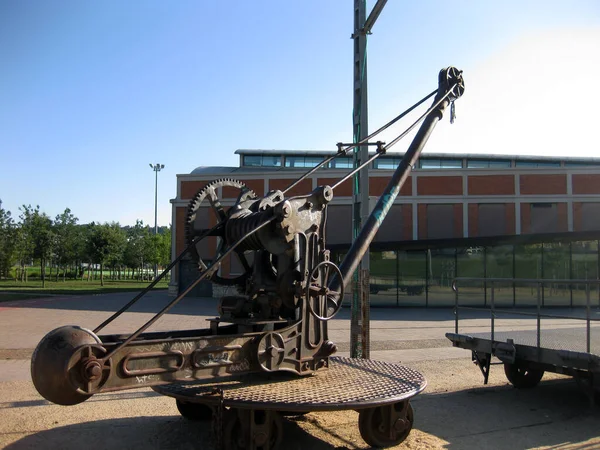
[(456, 411)]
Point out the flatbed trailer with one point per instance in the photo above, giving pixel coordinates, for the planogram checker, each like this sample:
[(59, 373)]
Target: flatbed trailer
[(526, 355)]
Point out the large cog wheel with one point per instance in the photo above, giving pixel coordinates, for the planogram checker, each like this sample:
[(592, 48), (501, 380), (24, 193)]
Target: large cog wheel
[(194, 226)]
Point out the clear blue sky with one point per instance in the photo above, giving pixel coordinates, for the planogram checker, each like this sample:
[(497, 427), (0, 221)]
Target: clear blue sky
[(92, 92)]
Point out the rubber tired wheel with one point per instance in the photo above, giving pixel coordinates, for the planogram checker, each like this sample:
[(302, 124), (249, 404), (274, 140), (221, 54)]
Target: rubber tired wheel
[(194, 411), (375, 430), (522, 377), (589, 384)]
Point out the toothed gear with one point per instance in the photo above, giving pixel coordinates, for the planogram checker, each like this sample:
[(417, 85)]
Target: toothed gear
[(193, 228)]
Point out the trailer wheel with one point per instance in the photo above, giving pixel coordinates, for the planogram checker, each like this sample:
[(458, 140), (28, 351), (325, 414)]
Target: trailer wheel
[(522, 377), (194, 411), (589, 384)]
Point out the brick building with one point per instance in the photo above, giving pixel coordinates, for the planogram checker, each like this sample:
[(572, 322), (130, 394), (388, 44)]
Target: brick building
[(447, 197)]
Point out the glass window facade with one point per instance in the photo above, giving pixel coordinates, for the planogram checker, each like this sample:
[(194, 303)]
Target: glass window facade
[(252, 160), (387, 162), (540, 164), (303, 161), (581, 164), (262, 161), (488, 163), (424, 277), (341, 163), (442, 163)]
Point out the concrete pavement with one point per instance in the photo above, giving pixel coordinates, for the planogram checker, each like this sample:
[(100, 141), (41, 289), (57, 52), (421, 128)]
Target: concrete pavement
[(397, 334), (455, 412)]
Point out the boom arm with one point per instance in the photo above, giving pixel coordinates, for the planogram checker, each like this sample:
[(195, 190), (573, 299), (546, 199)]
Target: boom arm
[(451, 86)]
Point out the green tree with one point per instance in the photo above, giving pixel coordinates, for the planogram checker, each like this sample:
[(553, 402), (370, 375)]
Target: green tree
[(106, 244), (80, 255), (152, 248), (8, 243), (135, 252), (118, 243), (24, 250), (37, 232), (165, 248), (65, 226)]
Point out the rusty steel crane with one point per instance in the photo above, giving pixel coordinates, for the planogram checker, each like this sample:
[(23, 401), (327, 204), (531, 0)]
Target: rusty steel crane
[(275, 323)]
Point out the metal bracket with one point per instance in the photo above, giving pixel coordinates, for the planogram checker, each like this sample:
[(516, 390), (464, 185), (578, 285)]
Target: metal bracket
[(483, 361), (505, 351)]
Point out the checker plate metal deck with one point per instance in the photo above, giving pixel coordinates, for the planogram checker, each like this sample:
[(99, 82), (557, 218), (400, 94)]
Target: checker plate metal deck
[(348, 384)]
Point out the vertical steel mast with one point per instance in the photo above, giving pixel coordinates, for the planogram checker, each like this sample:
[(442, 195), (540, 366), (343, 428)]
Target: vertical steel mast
[(359, 334)]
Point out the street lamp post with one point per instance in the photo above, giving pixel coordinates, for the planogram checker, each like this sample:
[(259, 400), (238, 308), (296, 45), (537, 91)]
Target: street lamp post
[(157, 168)]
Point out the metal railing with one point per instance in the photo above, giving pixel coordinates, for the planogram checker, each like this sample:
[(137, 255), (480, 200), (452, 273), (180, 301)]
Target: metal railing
[(491, 283)]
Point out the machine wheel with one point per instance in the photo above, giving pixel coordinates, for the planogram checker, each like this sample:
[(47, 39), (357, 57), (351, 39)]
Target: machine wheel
[(330, 302), (65, 362), (522, 377), (194, 225), (266, 431), (384, 426), (194, 411)]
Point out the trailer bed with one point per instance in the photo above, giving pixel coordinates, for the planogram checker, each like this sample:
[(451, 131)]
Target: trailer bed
[(567, 339), (527, 354), (570, 346)]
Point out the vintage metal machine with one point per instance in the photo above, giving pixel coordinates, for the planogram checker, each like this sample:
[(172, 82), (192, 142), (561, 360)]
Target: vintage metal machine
[(276, 322)]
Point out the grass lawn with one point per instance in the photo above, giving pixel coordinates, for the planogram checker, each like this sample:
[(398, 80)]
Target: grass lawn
[(15, 290)]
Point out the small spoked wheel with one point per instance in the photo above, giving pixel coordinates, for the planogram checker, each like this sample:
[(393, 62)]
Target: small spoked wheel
[(329, 301), (194, 411), (255, 429), (522, 377), (386, 426)]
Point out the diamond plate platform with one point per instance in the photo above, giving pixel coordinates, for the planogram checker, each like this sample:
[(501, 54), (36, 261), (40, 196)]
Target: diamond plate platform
[(347, 384)]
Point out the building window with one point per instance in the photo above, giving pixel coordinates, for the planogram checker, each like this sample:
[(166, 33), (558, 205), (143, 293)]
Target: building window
[(271, 161), (342, 163), (386, 163), (540, 164), (441, 163), (581, 164), (488, 163), (262, 160), (253, 160), (303, 161)]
